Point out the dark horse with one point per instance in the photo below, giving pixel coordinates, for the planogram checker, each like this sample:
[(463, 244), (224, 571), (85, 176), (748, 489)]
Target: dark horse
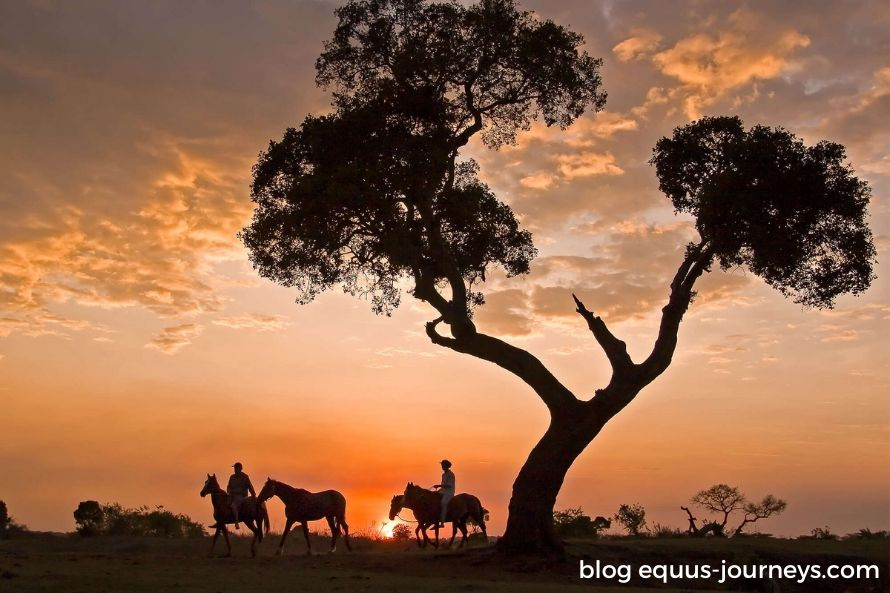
[(302, 505), (252, 513), (427, 508)]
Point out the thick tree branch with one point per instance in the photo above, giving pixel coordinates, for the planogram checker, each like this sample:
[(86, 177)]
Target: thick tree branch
[(697, 261), (558, 399), (615, 349)]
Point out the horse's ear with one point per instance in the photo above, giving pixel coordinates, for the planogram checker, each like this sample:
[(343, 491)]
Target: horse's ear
[(208, 476)]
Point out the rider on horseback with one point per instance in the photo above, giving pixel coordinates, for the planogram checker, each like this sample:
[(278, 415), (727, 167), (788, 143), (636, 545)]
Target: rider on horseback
[(238, 488), (446, 489)]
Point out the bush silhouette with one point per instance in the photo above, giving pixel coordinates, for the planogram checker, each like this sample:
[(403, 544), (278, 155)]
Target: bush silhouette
[(92, 519)]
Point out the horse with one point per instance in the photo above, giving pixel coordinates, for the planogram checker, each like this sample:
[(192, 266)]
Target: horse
[(427, 508), (252, 513), (302, 505)]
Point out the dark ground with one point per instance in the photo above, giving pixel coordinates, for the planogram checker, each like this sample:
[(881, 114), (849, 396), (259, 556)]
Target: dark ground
[(51, 562)]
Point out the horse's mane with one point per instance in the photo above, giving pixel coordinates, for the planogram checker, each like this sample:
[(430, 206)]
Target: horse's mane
[(290, 489)]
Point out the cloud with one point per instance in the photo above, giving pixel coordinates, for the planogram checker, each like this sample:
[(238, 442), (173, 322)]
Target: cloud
[(860, 119), (586, 164), (255, 321), (160, 255), (540, 181), (626, 278), (172, 339), (642, 44), (506, 313), (710, 66), (125, 171)]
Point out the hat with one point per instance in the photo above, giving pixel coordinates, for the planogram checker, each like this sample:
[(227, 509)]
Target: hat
[(237, 465), (446, 463)]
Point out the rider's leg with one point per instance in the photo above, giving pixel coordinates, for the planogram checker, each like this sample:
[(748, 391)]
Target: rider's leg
[(445, 500)]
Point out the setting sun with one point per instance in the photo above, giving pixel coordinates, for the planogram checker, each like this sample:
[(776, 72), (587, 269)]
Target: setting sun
[(387, 528)]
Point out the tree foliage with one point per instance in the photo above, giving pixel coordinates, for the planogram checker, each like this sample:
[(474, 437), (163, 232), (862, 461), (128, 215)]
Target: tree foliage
[(632, 517), (8, 525), (374, 192), (401, 532), (91, 519), (795, 215), (574, 523), (725, 499)]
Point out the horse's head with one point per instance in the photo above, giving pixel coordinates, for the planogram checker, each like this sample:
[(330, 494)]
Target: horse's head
[(395, 507), (268, 490), (211, 486), (411, 492)]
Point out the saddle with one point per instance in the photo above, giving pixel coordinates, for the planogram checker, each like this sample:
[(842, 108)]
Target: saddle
[(248, 505)]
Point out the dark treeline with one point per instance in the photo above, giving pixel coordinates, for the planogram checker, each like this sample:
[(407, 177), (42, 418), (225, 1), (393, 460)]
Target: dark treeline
[(92, 519)]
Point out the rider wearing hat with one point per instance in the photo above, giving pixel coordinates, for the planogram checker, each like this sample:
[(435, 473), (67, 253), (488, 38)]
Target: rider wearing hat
[(238, 489), (446, 488)]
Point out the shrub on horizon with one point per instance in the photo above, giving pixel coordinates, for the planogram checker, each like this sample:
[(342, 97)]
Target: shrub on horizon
[(91, 519)]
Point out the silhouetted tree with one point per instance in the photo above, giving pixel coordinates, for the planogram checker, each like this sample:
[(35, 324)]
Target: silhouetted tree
[(375, 193), (724, 499), (632, 517), (574, 523), (8, 525), (402, 532), (89, 518)]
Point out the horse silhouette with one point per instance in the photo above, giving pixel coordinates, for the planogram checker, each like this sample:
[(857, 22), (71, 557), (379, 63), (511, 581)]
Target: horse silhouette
[(302, 505), (252, 513), (427, 508)]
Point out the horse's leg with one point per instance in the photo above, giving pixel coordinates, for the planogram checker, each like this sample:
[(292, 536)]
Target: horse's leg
[(306, 535), (341, 520), (417, 535), (436, 533), (228, 543), (426, 538), (257, 533), (287, 526), (463, 531), (334, 531), (213, 543), (258, 524), (454, 525)]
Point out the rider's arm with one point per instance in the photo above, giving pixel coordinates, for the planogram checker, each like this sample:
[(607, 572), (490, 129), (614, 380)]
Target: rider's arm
[(250, 488)]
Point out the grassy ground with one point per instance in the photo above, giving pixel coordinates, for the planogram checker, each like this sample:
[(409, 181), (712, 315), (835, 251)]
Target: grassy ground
[(44, 563)]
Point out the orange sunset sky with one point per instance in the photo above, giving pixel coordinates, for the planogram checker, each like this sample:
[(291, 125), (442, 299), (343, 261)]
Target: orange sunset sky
[(139, 351)]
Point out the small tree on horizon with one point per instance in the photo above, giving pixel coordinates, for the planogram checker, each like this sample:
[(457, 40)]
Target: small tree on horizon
[(632, 517), (8, 525), (724, 499), (376, 193)]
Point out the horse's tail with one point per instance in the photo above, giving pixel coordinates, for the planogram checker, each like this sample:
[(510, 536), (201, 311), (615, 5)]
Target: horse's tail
[(479, 513)]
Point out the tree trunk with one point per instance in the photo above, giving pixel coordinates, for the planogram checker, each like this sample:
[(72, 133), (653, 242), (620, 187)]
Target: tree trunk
[(530, 521)]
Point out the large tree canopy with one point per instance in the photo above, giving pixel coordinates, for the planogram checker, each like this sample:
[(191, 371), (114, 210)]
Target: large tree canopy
[(374, 192), (794, 215)]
